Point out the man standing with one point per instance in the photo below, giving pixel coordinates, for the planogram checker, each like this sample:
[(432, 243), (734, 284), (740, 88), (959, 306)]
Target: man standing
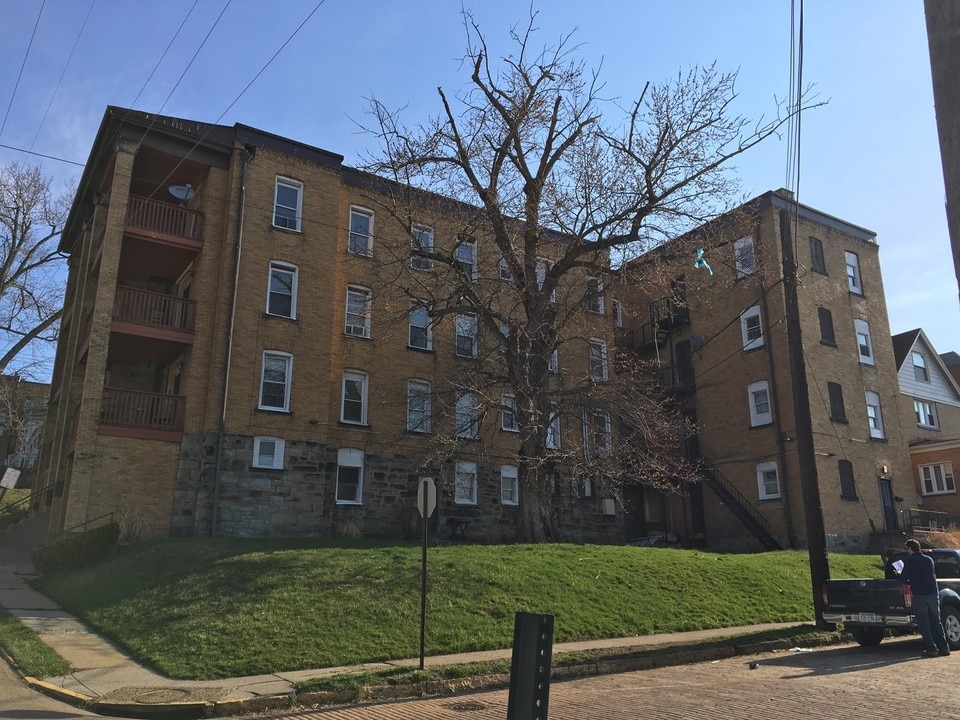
[(919, 573)]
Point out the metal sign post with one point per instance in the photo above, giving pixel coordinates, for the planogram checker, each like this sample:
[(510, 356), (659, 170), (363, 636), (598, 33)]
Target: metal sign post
[(426, 503)]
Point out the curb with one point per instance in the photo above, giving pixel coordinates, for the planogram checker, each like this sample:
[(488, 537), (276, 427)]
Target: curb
[(76, 699)]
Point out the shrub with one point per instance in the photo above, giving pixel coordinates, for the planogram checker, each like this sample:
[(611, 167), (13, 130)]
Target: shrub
[(77, 551)]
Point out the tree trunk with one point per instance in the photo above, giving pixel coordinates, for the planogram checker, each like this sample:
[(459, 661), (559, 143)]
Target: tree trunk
[(537, 522)]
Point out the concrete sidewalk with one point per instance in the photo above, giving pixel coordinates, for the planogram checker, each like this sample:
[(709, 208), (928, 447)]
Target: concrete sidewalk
[(108, 681)]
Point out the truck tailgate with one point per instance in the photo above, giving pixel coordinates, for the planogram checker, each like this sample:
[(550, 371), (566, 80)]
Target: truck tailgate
[(865, 596)]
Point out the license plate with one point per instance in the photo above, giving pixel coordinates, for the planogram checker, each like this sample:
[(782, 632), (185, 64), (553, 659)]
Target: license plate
[(868, 617)]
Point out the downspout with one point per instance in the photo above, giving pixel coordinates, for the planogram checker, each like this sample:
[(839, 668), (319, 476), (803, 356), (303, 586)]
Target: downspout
[(248, 154)]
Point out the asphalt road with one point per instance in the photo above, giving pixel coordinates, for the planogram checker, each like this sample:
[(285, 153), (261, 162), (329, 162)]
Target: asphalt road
[(849, 682), (20, 702)]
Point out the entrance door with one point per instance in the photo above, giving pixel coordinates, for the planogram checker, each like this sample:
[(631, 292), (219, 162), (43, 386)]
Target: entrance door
[(889, 509)]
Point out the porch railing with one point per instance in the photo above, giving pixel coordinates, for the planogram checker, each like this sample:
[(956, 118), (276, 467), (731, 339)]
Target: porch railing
[(148, 411), (918, 519), (166, 218), (142, 307)]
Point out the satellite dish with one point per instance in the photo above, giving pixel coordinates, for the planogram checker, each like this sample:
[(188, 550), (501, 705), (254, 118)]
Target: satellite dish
[(182, 193), (919, 500)]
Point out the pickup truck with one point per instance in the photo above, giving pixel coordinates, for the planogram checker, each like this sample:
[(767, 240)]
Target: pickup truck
[(867, 608)]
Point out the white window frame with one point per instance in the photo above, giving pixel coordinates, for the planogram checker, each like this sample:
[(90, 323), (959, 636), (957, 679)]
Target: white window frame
[(509, 485), (354, 377), (465, 483), (854, 278), (925, 412), (287, 360), (282, 221), (862, 329), (553, 364), (504, 268), (617, 307), (508, 413), (419, 405), (592, 430), (367, 237), (763, 492), (758, 417), (874, 415), (468, 245), (921, 373), (353, 459), (746, 330), (427, 327), (744, 256), (552, 438), (595, 295), (421, 238), (945, 484), (597, 359), (258, 456), (351, 317), (466, 327), (291, 270), (467, 416)]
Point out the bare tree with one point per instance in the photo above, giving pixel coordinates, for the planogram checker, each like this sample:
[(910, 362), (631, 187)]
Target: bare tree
[(568, 186), (31, 283)]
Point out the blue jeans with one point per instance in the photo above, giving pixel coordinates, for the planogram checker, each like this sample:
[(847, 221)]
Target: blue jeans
[(926, 608)]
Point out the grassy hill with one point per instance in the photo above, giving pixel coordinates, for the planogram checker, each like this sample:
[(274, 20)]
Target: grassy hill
[(204, 609)]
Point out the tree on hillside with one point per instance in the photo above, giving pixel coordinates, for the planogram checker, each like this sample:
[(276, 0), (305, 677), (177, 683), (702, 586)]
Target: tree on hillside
[(567, 186), (31, 282)]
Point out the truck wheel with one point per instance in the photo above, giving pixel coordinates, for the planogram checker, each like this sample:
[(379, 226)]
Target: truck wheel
[(951, 625), (871, 636)]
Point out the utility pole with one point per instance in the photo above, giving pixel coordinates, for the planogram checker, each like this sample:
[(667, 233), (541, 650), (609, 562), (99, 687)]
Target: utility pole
[(809, 484)]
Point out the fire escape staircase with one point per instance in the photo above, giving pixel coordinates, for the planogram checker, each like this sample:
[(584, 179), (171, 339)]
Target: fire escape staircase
[(750, 516)]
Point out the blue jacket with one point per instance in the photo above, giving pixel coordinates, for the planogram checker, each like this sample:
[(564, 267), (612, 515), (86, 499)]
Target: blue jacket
[(919, 573)]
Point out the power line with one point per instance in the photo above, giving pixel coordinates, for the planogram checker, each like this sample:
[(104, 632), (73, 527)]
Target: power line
[(48, 157), (22, 65), (164, 54)]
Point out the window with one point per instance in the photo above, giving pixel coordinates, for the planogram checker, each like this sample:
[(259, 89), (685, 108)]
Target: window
[(920, 372), (751, 328), (617, 314), (553, 480), (598, 432), (854, 282), (361, 231), (509, 486), (937, 479), (467, 418), (586, 487), (422, 243), (349, 476), (421, 334), (505, 273), (744, 257), (552, 440), (595, 295), (864, 345), (874, 416), (553, 364), (419, 396), (817, 263), (467, 257), (353, 408), (768, 481), (358, 312), (287, 204), (837, 411), (848, 488), (466, 336), (759, 396), (275, 381), (598, 359), (543, 266), (508, 413), (826, 327), (268, 453), (282, 290), (465, 483), (926, 413)]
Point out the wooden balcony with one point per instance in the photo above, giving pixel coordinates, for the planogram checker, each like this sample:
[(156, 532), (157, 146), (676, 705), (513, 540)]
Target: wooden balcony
[(130, 413), (163, 218), (155, 310)]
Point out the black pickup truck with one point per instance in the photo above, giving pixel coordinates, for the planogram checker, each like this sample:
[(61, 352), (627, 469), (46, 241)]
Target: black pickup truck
[(868, 608)]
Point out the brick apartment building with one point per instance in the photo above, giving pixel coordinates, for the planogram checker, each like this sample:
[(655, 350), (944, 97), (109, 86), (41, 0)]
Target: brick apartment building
[(720, 340), (237, 356)]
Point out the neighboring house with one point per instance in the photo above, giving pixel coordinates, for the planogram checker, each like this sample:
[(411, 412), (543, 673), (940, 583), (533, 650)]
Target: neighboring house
[(236, 358), (23, 410), (720, 344), (930, 409), (952, 362)]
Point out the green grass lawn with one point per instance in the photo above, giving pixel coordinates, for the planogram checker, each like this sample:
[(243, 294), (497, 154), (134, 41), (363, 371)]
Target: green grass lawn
[(33, 657), (205, 609), (12, 497)]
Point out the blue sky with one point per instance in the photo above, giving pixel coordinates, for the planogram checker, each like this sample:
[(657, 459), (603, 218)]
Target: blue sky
[(870, 156)]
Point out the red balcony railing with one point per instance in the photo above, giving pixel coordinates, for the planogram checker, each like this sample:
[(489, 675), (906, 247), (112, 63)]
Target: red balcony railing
[(165, 218), (148, 411), (142, 307)]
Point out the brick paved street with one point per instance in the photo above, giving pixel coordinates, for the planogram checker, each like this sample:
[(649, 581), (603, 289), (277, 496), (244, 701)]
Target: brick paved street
[(838, 682)]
